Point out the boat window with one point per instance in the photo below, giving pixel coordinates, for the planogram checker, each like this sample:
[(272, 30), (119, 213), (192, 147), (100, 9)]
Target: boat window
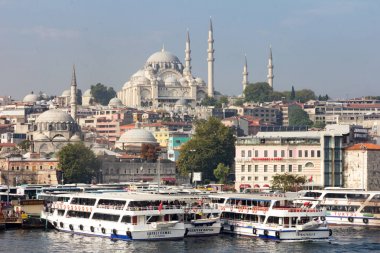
[(150, 219), (357, 196), (371, 209), (376, 198), (341, 208), (111, 204), (126, 219), (273, 220), (78, 214), (61, 212), (63, 199), (83, 201), (313, 194), (107, 217), (336, 195)]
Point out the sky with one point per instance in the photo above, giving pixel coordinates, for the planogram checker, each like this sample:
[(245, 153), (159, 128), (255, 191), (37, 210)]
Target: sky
[(329, 46)]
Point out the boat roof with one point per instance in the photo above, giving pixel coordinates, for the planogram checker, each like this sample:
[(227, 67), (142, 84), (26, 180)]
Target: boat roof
[(257, 196), (345, 191)]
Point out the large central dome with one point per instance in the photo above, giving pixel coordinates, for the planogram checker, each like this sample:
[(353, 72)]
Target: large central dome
[(54, 115), (163, 56)]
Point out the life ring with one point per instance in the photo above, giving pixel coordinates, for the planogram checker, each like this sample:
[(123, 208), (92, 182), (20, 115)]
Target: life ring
[(323, 218), (350, 219), (103, 230), (81, 227), (129, 234), (92, 229), (266, 232), (365, 221), (330, 232), (114, 231), (278, 234), (71, 227), (232, 228), (55, 224), (61, 224), (254, 231)]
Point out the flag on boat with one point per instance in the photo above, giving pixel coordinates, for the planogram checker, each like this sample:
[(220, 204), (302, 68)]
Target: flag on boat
[(311, 179), (160, 207)]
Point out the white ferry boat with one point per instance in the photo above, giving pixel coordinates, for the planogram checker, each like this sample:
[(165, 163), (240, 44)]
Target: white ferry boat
[(344, 206), (270, 216), (120, 216)]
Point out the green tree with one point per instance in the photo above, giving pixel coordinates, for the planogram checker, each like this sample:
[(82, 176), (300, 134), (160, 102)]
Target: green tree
[(212, 143), (24, 145), (258, 92), (319, 124), (305, 95), (223, 100), (221, 172), (239, 102), (292, 94), (287, 182), (209, 101), (78, 163), (298, 117), (102, 94)]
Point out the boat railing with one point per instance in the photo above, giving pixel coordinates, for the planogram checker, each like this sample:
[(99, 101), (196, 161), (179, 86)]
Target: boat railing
[(298, 210), (147, 208), (242, 207), (113, 207)]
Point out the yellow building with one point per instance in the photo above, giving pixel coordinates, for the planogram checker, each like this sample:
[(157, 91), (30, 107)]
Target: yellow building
[(162, 136)]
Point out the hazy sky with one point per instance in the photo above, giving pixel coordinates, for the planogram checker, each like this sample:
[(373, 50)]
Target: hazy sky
[(328, 46)]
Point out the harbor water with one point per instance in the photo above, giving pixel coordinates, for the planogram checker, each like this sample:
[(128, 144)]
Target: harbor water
[(345, 239)]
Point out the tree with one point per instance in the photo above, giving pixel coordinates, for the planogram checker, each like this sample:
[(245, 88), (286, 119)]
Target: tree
[(24, 145), (298, 117), (221, 172), (287, 182), (319, 124), (258, 92), (239, 102), (212, 143), (209, 101), (305, 95), (78, 163), (102, 94), (292, 94), (223, 100)]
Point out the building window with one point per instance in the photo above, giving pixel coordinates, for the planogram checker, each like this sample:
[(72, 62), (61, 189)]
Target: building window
[(274, 168), (306, 153), (265, 178), (299, 153), (299, 168), (243, 153), (256, 178), (242, 178), (312, 153), (249, 153), (249, 168), (249, 178), (13, 168), (282, 153), (265, 168), (256, 153), (41, 167), (318, 153), (275, 153), (256, 168), (282, 168), (265, 153), (290, 168), (290, 153), (51, 167), (27, 167), (243, 168)]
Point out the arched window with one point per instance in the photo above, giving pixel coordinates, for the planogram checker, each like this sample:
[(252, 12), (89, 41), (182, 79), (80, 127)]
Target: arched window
[(309, 165)]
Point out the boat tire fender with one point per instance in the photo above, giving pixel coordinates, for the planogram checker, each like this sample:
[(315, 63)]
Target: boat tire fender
[(330, 232), (266, 232), (350, 219), (232, 228), (114, 231), (129, 234), (71, 227), (92, 229), (323, 218), (254, 231), (61, 224), (278, 234), (365, 221), (103, 230)]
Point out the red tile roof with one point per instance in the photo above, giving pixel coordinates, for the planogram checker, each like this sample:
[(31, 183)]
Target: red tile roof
[(364, 146)]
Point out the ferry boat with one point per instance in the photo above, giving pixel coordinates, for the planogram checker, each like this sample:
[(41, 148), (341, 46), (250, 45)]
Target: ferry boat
[(270, 216), (345, 206), (119, 215)]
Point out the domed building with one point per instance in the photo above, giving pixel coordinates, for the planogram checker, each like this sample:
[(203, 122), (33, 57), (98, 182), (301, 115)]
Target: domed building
[(132, 140), (87, 98), (115, 103), (164, 80), (30, 98)]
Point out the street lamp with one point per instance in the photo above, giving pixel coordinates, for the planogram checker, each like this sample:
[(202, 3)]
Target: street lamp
[(62, 177)]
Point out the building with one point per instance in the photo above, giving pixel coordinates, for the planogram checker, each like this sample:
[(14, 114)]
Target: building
[(362, 167), (164, 80), (176, 140)]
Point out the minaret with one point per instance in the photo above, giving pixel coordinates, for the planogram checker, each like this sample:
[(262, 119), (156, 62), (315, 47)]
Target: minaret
[(188, 52), (73, 96), (210, 60), (270, 75), (245, 75)]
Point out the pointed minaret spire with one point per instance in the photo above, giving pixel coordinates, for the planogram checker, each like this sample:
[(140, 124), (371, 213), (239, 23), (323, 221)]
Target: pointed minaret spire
[(245, 75), (270, 75), (188, 52), (163, 47), (73, 95), (210, 60)]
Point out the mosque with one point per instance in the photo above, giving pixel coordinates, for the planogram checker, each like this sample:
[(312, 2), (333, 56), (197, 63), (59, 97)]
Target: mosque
[(165, 81)]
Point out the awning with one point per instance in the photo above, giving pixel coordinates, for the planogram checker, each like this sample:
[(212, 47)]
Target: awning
[(245, 186), (169, 179), (265, 185), (256, 186)]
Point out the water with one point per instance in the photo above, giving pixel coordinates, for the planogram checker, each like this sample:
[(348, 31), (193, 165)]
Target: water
[(346, 239)]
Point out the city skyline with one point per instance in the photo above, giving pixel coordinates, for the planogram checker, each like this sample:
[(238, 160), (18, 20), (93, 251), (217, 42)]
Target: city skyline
[(327, 46)]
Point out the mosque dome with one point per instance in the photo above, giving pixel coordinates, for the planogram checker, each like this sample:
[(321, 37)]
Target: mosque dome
[(115, 102), (30, 98), (87, 93), (163, 57), (54, 115), (66, 93), (75, 137), (137, 136)]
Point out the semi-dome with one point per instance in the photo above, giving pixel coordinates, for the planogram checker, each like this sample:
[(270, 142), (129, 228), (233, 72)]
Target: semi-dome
[(75, 137), (171, 80), (40, 137), (115, 102), (30, 98), (87, 93), (137, 136), (66, 93), (54, 115), (163, 56)]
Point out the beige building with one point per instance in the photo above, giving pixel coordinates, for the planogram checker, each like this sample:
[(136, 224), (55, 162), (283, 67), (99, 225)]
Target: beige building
[(362, 167)]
